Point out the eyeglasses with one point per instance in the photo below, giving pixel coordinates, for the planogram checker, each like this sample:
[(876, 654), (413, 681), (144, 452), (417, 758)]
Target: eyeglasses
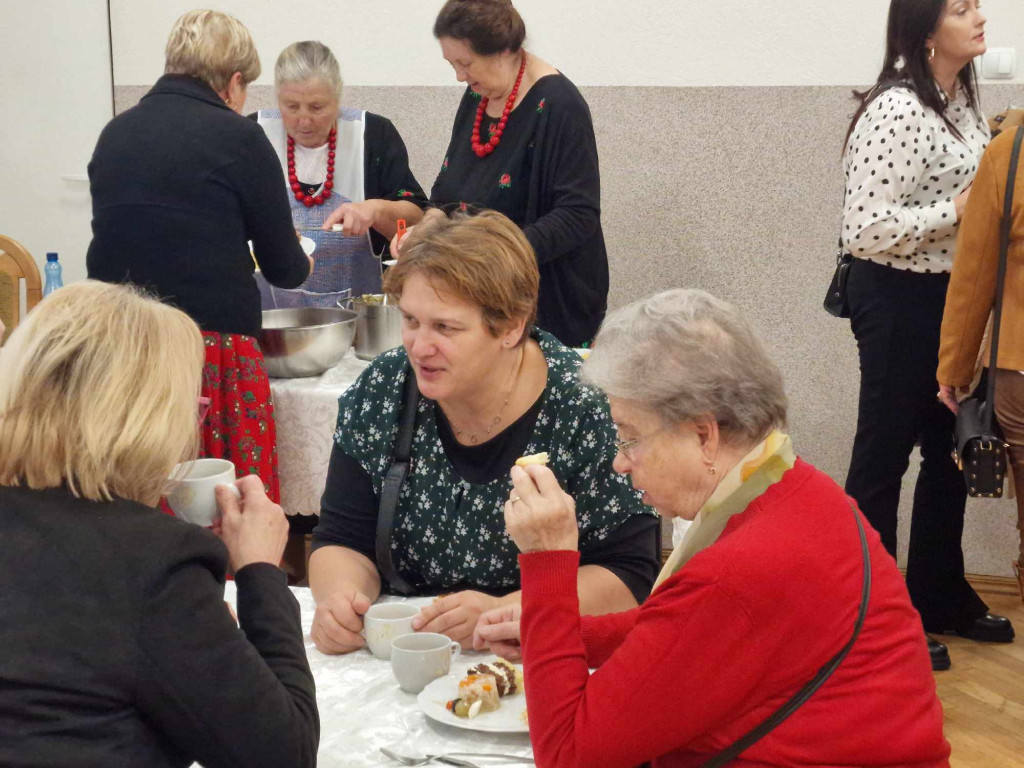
[(626, 446), (204, 408)]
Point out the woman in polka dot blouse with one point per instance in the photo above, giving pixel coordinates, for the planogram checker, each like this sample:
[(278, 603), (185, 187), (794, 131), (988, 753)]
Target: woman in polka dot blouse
[(911, 154)]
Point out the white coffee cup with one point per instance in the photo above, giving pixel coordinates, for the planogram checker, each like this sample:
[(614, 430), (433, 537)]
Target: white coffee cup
[(192, 497), (421, 657), (384, 622)]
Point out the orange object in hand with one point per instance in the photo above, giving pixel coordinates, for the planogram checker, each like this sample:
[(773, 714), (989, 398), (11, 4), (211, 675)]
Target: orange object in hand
[(400, 233)]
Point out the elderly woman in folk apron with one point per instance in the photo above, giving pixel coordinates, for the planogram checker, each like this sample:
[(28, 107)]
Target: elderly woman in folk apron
[(338, 160)]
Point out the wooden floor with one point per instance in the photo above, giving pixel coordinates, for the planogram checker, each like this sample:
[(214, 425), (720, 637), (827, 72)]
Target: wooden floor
[(983, 695)]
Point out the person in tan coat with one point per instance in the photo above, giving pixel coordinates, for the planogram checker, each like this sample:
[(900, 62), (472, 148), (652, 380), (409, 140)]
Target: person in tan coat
[(970, 298)]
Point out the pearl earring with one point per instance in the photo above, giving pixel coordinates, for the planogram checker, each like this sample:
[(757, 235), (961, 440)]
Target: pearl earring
[(931, 54)]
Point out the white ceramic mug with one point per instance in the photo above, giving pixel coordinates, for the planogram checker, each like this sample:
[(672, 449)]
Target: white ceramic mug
[(383, 623), (421, 657), (193, 498)]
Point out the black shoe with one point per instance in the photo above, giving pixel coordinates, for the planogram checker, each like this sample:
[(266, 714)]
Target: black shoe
[(989, 629), (939, 654)]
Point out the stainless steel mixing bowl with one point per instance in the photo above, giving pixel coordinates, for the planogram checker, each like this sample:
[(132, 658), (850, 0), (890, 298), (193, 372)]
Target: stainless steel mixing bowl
[(305, 342)]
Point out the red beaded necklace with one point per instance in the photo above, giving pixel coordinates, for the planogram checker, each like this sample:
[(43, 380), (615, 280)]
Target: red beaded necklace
[(311, 200), (483, 150)]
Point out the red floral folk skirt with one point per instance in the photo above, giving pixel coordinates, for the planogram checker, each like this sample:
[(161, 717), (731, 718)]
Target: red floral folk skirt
[(239, 426)]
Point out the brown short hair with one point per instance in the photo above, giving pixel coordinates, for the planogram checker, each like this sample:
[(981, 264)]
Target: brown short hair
[(211, 46), (489, 26), (98, 392), (484, 259)]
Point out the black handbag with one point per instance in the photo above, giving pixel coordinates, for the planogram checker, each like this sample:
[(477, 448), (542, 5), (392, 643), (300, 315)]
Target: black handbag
[(835, 299), (979, 449), (393, 481)]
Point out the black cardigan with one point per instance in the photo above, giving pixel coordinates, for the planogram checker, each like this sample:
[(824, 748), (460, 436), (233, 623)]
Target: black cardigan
[(544, 176), (179, 184), (117, 648)]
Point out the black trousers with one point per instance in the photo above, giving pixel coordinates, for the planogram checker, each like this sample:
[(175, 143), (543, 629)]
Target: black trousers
[(896, 317)]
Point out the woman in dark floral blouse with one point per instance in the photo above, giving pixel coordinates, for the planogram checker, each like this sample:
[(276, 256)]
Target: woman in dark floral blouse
[(492, 388)]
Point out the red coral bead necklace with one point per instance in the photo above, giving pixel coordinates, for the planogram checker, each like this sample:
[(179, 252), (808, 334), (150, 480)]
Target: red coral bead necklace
[(310, 200), (483, 150)]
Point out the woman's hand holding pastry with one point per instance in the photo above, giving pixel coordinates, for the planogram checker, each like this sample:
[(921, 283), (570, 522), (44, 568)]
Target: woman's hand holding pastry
[(339, 620), (540, 516), (498, 630), (253, 528), (455, 615)]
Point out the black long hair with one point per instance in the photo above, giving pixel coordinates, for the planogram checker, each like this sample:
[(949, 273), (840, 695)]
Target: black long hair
[(911, 23)]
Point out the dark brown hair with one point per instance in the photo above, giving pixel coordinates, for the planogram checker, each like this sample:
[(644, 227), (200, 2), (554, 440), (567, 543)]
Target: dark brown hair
[(911, 23), (485, 260), (489, 26)]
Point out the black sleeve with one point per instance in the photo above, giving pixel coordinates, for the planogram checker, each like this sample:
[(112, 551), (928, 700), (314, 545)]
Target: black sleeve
[(628, 552), (224, 697), (348, 508), (387, 172), (268, 218), (569, 198)]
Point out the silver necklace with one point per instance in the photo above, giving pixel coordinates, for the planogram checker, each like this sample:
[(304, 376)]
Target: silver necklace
[(474, 437)]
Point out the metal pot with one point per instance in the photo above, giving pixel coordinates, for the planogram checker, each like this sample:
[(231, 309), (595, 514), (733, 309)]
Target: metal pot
[(306, 341), (378, 326)]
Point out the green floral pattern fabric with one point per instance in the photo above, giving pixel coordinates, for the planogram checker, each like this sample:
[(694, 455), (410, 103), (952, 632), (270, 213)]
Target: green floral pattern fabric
[(449, 532)]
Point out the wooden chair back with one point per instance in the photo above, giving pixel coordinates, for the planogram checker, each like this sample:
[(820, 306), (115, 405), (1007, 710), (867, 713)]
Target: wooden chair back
[(16, 264)]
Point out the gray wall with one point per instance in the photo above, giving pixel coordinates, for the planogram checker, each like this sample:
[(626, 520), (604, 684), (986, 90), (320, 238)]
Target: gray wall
[(737, 191)]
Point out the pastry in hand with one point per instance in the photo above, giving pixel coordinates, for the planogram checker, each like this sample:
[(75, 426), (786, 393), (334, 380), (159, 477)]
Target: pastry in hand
[(533, 458)]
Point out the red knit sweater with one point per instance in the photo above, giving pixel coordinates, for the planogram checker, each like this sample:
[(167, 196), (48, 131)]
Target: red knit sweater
[(726, 640)]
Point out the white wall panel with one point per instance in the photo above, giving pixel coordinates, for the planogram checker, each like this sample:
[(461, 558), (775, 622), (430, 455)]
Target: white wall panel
[(595, 42)]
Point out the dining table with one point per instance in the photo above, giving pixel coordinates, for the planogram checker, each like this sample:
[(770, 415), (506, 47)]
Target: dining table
[(362, 708)]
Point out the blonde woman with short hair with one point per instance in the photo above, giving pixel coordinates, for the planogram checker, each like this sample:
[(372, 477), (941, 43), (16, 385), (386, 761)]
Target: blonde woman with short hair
[(180, 183), (340, 165), (117, 647), (492, 388)]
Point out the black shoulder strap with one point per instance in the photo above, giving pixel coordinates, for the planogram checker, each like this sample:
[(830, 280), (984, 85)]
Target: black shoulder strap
[(745, 742), (1004, 247), (393, 482)]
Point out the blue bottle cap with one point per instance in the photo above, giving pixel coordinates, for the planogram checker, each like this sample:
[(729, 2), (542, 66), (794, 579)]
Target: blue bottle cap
[(51, 257)]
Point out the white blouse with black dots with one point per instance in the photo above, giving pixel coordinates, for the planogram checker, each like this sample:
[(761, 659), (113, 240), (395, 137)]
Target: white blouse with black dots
[(903, 169)]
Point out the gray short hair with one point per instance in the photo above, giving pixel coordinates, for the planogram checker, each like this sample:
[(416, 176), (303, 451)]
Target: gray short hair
[(307, 60), (685, 354)]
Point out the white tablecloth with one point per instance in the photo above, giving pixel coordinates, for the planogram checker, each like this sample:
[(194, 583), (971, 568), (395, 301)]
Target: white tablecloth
[(362, 708), (306, 412)]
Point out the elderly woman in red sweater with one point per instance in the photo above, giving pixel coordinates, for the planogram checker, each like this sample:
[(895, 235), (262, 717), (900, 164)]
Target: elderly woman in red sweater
[(763, 592)]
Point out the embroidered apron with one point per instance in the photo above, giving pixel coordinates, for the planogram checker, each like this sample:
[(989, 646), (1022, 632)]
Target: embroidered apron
[(340, 263)]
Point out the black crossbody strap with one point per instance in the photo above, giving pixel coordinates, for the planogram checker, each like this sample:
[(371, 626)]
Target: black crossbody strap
[(745, 742), (393, 481), (1004, 247)]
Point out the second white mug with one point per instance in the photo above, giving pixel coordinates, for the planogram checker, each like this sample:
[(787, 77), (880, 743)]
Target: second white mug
[(417, 659)]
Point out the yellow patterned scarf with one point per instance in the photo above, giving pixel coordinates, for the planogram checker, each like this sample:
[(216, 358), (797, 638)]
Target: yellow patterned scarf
[(762, 467)]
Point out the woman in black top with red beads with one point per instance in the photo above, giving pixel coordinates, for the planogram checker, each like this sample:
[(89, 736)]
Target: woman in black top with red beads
[(523, 144)]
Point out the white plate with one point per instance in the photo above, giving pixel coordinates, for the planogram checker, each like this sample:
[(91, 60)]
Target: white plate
[(308, 245), (507, 719)]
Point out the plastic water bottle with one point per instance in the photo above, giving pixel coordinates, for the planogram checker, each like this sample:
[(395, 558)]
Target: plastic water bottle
[(53, 270)]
